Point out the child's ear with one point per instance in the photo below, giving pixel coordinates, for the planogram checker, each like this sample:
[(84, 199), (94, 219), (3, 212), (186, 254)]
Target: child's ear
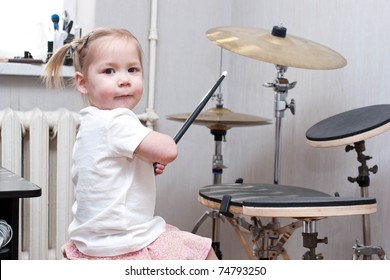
[(80, 83)]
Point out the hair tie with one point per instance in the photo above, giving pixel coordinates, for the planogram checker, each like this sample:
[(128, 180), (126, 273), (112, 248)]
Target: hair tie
[(85, 43), (73, 46)]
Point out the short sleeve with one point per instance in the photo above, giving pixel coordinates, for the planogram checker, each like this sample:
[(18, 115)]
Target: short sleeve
[(125, 133)]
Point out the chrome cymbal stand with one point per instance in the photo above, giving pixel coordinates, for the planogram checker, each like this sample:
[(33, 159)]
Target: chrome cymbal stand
[(363, 180), (217, 168), (281, 87)]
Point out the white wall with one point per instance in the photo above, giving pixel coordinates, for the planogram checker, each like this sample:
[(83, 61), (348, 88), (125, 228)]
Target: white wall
[(188, 65), (85, 15)]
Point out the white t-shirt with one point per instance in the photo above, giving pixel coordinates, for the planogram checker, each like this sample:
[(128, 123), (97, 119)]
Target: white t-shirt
[(115, 189)]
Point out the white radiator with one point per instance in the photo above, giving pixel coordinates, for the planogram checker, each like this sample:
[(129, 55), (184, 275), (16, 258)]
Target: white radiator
[(37, 145)]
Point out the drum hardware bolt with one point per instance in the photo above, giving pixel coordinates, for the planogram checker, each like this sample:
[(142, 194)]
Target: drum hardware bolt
[(349, 148), (280, 85), (291, 106), (273, 226), (272, 234), (363, 178), (374, 169), (291, 227), (324, 240), (292, 85)]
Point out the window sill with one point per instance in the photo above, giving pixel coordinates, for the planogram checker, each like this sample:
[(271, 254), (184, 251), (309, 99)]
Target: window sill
[(26, 69)]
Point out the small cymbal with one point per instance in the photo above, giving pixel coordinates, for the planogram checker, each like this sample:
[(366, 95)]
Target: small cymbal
[(290, 51), (220, 118)]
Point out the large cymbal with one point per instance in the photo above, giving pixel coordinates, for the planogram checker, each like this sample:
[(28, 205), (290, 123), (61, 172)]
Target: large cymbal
[(220, 118), (290, 51)]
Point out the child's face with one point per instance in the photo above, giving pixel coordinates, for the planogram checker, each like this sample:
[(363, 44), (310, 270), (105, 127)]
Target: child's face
[(114, 76)]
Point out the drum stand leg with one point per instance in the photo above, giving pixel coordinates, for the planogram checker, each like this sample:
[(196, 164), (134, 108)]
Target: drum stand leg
[(363, 179), (216, 216), (361, 250)]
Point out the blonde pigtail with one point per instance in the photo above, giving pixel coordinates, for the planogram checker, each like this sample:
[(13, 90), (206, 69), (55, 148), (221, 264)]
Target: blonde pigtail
[(52, 75)]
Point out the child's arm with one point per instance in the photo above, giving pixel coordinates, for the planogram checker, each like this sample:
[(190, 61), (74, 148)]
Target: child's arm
[(158, 147)]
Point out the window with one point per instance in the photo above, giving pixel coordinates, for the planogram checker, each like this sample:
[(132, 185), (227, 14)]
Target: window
[(26, 25)]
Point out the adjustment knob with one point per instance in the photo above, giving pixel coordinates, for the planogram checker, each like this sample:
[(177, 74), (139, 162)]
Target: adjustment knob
[(291, 106)]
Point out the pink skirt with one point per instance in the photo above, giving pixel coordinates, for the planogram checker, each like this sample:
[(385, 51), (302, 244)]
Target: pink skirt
[(173, 244)]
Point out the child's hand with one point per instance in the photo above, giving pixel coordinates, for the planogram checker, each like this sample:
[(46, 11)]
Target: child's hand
[(158, 168)]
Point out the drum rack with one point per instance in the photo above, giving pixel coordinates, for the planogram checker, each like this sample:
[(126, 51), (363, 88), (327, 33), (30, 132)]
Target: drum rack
[(240, 202), (304, 206), (269, 240), (263, 237)]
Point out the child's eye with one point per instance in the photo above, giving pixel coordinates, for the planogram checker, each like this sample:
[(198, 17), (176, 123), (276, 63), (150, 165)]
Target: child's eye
[(109, 71), (134, 69)]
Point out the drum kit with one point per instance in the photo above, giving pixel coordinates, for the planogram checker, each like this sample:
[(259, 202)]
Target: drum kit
[(243, 205)]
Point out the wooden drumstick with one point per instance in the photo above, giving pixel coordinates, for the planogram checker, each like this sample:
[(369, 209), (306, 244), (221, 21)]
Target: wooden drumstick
[(196, 112)]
